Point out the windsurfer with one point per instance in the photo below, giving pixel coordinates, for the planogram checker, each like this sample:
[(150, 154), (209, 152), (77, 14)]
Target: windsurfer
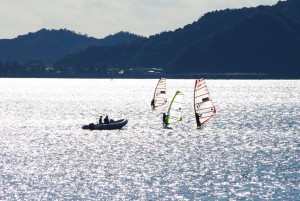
[(164, 120), (198, 120), (152, 104)]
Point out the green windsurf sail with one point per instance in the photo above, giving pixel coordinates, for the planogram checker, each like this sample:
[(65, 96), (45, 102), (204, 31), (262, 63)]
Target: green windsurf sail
[(175, 109)]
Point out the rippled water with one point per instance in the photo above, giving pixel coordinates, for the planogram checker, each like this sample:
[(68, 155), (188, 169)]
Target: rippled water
[(250, 150)]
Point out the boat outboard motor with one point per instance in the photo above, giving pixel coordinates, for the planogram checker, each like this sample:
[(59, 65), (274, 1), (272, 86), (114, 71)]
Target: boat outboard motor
[(91, 126)]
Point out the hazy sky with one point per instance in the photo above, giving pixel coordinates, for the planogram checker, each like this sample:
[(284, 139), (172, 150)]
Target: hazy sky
[(99, 18)]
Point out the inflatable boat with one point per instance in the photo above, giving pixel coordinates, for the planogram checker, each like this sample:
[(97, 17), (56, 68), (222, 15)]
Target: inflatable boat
[(111, 126)]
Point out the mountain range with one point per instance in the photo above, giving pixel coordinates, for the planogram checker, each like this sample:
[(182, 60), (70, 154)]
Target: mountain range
[(48, 46), (262, 40), (265, 39)]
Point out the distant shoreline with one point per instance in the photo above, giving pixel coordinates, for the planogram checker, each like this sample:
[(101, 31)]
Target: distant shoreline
[(246, 76)]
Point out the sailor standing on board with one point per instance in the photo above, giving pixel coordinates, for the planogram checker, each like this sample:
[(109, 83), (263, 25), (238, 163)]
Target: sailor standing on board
[(164, 120), (198, 120), (153, 104)]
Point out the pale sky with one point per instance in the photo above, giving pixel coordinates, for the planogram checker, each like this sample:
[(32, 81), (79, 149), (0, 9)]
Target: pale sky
[(99, 18)]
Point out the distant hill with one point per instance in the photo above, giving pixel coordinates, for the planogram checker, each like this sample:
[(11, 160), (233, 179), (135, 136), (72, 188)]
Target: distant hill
[(49, 45), (156, 51), (265, 39)]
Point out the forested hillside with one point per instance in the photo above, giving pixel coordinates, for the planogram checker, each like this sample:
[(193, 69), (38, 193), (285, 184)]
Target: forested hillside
[(265, 39), (49, 45)]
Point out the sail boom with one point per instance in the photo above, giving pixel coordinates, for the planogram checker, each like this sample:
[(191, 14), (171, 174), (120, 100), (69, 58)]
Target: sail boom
[(204, 108)]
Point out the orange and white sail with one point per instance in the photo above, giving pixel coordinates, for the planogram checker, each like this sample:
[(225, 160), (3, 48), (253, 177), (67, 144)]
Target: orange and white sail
[(160, 94), (203, 104)]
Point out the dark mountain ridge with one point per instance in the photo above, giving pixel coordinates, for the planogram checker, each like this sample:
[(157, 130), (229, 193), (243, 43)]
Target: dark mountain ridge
[(49, 45), (265, 39), (157, 50)]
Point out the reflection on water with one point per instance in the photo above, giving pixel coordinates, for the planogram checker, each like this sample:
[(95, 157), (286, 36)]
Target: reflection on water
[(250, 149)]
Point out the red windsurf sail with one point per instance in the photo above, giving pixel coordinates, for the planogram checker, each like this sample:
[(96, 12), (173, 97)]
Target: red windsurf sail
[(160, 94), (203, 105)]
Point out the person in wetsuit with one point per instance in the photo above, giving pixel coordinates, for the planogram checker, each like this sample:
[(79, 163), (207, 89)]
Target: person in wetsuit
[(100, 120), (198, 120), (153, 104), (164, 120)]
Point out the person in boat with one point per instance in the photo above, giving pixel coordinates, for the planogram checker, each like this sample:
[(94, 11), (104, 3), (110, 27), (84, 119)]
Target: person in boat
[(153, 104), (100, 120), (106, 120), (198, 120)]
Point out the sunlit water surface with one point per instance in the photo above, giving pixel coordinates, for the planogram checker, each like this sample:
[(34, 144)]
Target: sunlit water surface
[(250, 150)]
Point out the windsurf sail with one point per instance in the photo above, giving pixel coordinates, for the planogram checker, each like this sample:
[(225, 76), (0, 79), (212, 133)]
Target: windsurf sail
[(160, 94), (203, 105), (175, 109)]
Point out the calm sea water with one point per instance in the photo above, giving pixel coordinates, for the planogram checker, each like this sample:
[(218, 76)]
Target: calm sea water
[(250, 150)]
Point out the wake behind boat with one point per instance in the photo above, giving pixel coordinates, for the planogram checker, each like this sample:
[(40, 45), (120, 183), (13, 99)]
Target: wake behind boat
[(110, 126)]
